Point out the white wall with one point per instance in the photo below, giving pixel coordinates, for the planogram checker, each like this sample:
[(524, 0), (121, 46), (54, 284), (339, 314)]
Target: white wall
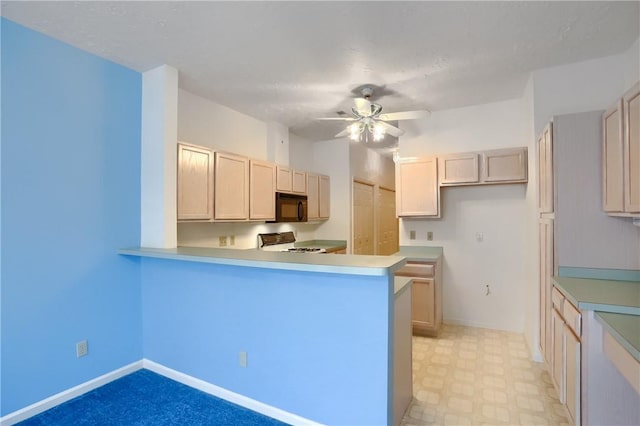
[(206, 123), (531, 270), (582, 86), (498, 212), (370, 166), (277, 143), (332, 158), (301, 153), (158, 157)]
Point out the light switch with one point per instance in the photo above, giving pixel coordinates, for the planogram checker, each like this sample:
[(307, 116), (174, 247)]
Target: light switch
[(412, 235)]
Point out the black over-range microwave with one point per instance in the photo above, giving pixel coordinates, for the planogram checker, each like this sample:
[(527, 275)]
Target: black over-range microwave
[(291, 207)]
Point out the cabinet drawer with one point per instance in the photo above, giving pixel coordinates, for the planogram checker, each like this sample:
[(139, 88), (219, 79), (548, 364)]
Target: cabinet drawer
[(416, 269), (572, 317), (557, 299)]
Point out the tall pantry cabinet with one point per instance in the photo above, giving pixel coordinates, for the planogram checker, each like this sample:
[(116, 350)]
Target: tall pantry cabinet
[(574, 232)]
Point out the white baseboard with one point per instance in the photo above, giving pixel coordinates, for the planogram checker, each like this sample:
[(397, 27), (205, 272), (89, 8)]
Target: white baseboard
[(64, 396), (228, 395), (474, 324), (243, 401)]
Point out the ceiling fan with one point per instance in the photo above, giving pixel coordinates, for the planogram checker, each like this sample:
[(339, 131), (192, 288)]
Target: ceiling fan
[(368, 116)]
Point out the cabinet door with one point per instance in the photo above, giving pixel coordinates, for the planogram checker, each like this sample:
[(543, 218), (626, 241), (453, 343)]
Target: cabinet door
[(324, 197), (545, 170), (558, 358), (458, 168), (417, 191), (612, 160), (262, 184), (544, 292), (423, 304), (231, 187), (313, 207), (195, 183), (299, 182), (572, 374), (504, 165), (631, 108), (283, 179)]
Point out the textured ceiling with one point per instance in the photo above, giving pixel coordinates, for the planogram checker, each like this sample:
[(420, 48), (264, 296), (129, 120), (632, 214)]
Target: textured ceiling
[(293, 61)]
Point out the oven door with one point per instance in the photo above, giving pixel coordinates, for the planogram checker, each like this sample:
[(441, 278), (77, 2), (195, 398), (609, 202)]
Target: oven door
[(291, 208)]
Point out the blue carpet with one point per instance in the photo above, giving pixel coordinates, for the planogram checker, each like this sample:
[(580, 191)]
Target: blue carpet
[(147, 398)]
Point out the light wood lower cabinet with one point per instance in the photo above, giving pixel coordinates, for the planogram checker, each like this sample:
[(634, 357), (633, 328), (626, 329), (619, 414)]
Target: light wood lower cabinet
[(566, 359), (195, 183), (426, 299), (423, 304), (547, 270)]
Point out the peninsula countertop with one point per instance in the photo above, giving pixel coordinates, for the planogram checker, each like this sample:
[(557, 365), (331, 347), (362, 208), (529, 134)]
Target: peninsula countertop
[(344, 264), (622, 297), (420, 253)]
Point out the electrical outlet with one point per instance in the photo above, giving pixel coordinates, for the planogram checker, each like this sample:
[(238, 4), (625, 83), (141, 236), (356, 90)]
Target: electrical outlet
[(222, 241), (82, 348), (232, 240), (429, 236), (479, 237), (412, 235), (243, 359)]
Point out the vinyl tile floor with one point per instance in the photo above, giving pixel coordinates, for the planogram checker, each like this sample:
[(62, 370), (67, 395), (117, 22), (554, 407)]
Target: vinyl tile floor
[(476, 376)]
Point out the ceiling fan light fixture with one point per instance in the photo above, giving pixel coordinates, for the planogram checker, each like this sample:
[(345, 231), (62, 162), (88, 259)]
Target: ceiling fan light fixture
[(378, 132), (355, 130)]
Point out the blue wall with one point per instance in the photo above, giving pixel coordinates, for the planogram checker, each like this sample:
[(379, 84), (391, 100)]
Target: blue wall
[(70, 198), (317, 344)]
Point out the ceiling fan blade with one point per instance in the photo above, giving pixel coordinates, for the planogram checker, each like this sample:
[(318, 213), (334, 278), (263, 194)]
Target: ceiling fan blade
[(343, 133), (388, 128), (337, 118), (363, 106), (406, 115)]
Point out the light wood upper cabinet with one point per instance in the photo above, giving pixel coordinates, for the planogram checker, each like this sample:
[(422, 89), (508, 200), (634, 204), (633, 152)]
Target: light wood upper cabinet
[(324, 197), (497, 166), (318, 196), (284, 181), (631, 108), (195, 182), (621, 156), (231, 187), (545, 170), (313, 205), (262, 188), (504, 165), (613, 160), (417, 191), (299, 182), (458, 168)]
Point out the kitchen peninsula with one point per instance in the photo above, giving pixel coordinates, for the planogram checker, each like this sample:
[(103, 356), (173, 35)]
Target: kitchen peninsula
[(316, 329)]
